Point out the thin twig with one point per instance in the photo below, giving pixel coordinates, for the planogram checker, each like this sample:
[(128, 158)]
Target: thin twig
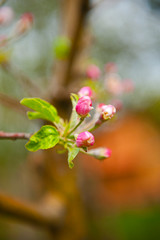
[(81, 120), (14, 136)]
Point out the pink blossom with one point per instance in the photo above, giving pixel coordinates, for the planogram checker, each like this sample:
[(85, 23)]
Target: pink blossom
[(6, 15), (85, 139), (84, 105), (93, 72), (100, 153), (24, 24), (85, 91)]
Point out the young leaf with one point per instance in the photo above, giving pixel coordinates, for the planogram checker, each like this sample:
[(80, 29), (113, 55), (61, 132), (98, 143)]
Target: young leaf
[(72, 153), (34, 115), (46, 137), (42, 108), (74, 116)]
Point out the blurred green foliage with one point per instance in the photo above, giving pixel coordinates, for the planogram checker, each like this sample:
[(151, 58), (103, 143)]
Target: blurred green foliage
[(127, 225)]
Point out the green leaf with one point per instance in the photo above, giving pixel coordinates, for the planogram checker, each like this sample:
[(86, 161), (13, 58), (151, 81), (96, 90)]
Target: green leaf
[(74, 116), (42, 109), (72, 153), (34, 115), (46, 137)]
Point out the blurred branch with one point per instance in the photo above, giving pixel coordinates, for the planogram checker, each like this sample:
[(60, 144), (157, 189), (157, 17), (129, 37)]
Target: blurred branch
[(31, 88), (2, 2), (75, 38), (28, 213), (14, 136), (73, 18), (11, 102)]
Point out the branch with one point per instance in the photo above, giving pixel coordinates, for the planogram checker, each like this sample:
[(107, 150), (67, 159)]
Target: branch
[(28, 213), (74, 16), (83, 10), (11, 102), (14, 136)]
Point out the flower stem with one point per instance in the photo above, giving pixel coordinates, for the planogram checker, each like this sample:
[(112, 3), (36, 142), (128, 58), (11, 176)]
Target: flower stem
[(81, 120), (93, 128)]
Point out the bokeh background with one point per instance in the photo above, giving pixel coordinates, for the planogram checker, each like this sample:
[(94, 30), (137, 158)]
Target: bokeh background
[(121, 195)]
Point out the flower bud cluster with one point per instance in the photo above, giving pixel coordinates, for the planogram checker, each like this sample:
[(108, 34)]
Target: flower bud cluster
[(104, 112)]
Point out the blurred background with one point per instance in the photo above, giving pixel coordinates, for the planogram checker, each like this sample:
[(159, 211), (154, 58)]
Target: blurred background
[(121, 195)]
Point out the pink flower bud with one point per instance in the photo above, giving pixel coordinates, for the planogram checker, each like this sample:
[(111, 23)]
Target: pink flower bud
[(93, 72), (6, 15), (84, 105), (24, 24), (100, 153), (85, 139), (108, 112), (111, 67), (85, 91)]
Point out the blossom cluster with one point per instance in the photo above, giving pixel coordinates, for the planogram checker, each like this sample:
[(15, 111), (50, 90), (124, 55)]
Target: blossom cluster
[(21, 26), (88, 113), (107, 84), (105, 112)]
